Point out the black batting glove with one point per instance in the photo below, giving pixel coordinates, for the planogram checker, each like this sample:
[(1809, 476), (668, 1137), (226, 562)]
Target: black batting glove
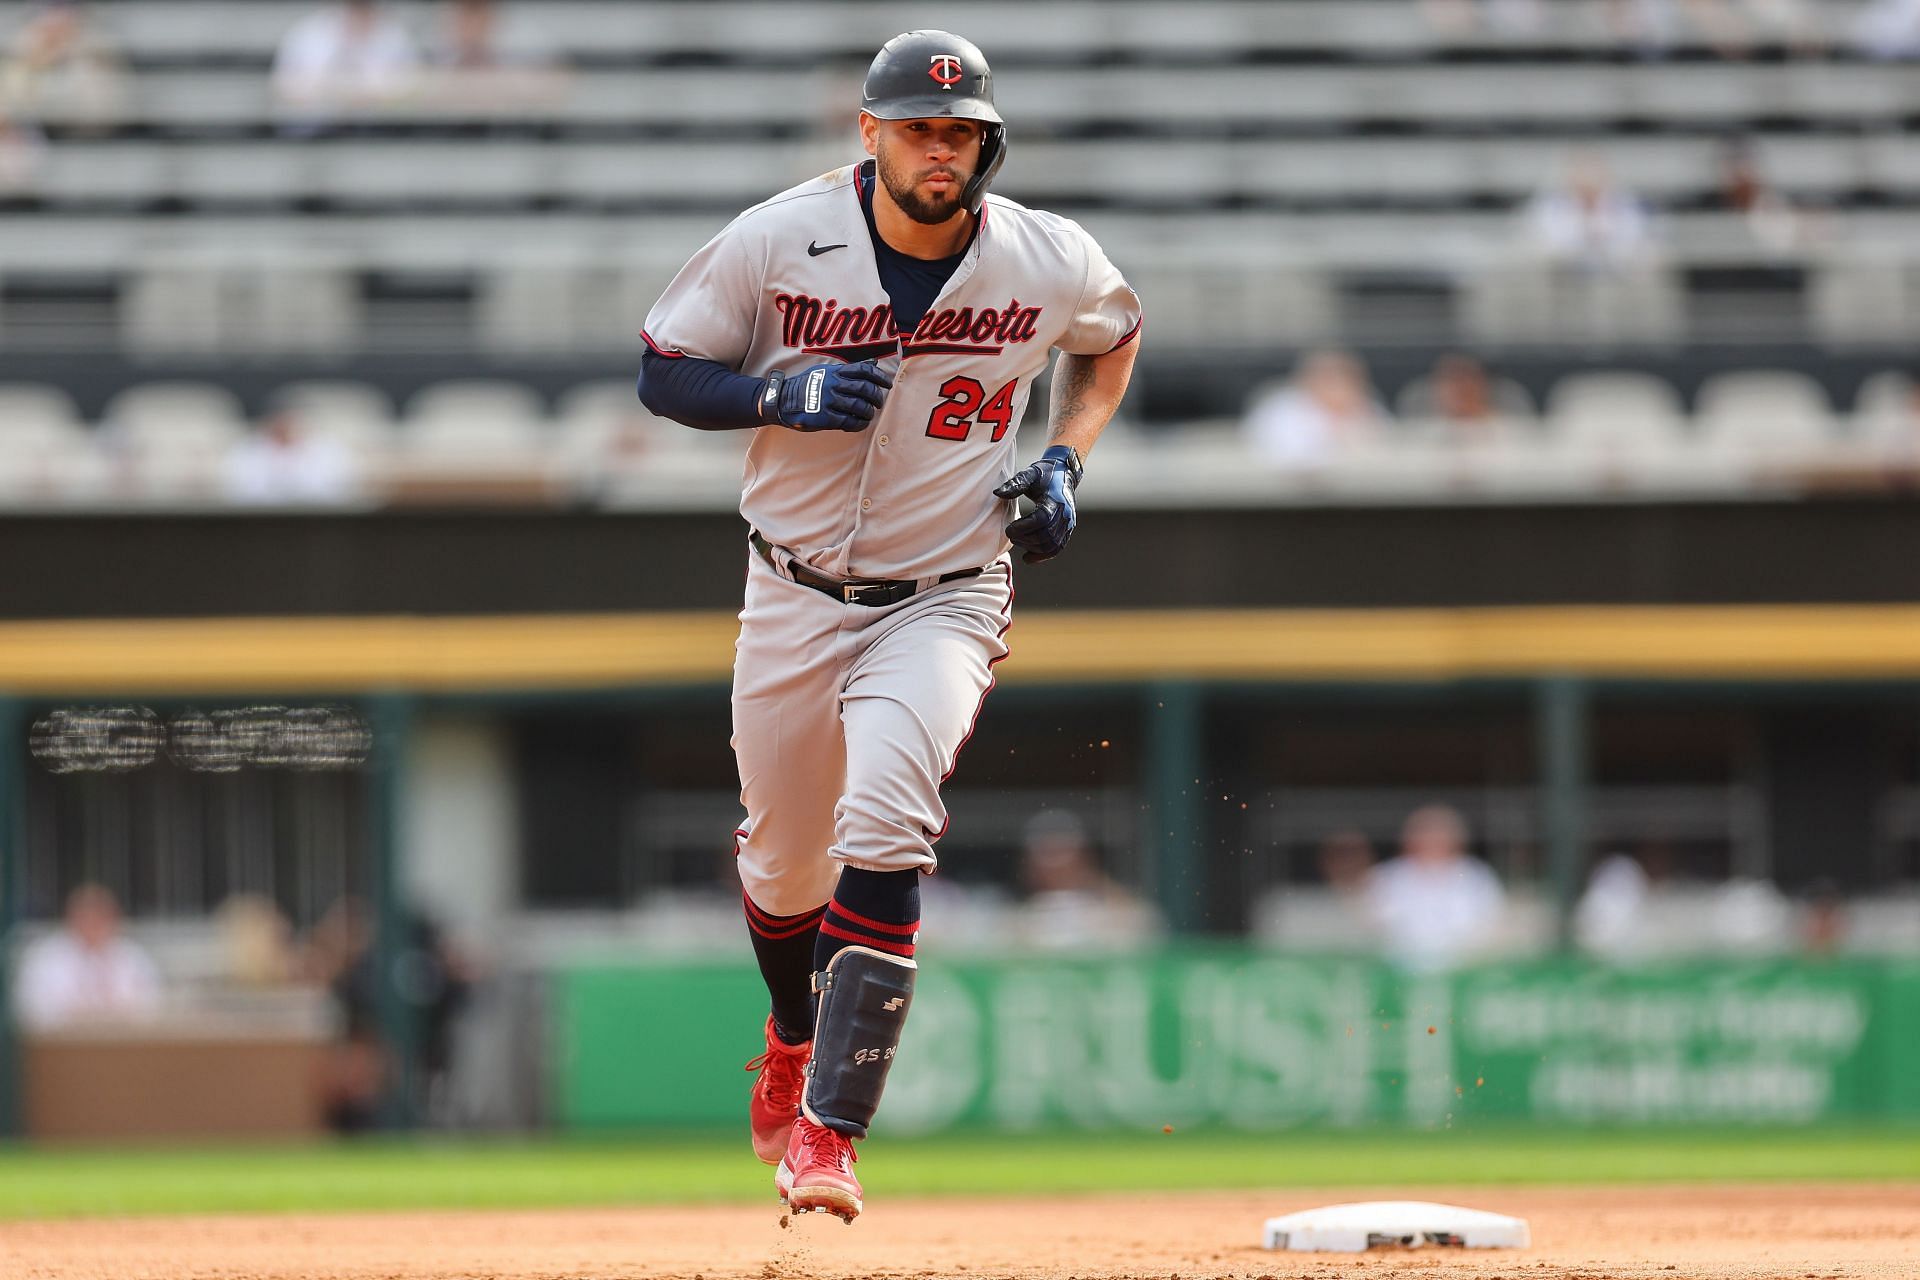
[(827, 397), (1042, 533)]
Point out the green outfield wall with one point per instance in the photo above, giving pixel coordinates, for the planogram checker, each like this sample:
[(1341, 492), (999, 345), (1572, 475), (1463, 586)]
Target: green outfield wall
[(1234, 1037)]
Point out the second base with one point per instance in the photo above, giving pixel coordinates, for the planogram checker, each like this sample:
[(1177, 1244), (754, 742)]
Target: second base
[(1352, 1228)]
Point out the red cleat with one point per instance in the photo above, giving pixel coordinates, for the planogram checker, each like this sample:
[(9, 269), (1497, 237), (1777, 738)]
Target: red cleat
[(776, 1094), (817, 1172)]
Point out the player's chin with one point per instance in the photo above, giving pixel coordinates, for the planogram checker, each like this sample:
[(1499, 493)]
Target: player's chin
[(936, 203)]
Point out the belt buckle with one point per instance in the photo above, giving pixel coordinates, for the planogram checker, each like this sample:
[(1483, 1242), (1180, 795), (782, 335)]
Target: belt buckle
[(874, 592)]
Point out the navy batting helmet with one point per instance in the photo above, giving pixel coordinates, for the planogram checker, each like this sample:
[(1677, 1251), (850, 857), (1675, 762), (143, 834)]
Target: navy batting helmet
[(920, 74)]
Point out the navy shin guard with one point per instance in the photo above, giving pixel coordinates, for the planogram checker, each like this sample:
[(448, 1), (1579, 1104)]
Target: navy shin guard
[(864, 996)]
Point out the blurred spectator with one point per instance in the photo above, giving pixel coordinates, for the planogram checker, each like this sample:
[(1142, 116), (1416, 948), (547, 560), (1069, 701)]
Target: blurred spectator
[(256, 941), (1463, 402), (474, 36), (1738, 28), (21, 150), (61, 70), (1346, 862), (86, 971), (1610, 918), (1649, 27), (1588, 222), (490, 61), (1887, 29), (1435, 904), (1770, 219), (1345, 858), (1327, 407), (342, 58), (1462, 394), (353, 1078), (432, 980), (1731, 28), (1510, 19), (1823, 919), (282, 464), (1070, 901)]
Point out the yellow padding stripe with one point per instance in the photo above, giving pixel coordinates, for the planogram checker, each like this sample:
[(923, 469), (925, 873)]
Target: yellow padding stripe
[(314, 655)]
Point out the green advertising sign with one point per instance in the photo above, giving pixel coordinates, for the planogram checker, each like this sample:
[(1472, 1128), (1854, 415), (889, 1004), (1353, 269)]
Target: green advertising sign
[(1245, 1039)]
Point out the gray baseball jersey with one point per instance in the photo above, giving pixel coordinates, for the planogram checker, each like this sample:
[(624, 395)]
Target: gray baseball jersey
[(849, 717), (910, 497)]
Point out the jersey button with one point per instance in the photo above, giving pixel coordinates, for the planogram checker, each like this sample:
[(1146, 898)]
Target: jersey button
[(883, 439), (866, 504)]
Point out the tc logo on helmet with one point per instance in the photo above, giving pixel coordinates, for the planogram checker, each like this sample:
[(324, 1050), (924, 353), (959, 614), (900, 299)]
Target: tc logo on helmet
[(945, 70)]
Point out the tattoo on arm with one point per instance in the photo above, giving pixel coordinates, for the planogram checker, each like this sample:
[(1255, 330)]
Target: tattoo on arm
[(1072, 379)]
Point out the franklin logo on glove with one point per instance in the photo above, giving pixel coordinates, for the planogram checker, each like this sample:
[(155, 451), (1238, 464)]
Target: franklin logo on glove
[(827, 397)]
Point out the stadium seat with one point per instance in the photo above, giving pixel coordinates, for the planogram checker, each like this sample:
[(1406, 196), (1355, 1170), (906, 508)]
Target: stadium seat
[(1884, 398), (312, 307), (1518, 298), (365, 173), (335, 401), (602, 429), (476, 401), (477, 431), (46, 454), (1354, 168), (474, 440), (592, 417), (175, 436), (1886, 422), (534, 306), (33, 415), (1623, 430), (1767, 417), (1243, 163), (1595, 401), (190, 100), (1861, 294), (194, 415), (459, 443), (175, 309), (358, 415), (223, 172)]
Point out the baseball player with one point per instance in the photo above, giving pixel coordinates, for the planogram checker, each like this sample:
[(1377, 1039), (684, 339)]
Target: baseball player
[(878, 329)]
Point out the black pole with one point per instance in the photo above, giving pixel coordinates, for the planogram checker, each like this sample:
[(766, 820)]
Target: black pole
[(1561, 719), (391, 720), (1174, 760), (13, 879)]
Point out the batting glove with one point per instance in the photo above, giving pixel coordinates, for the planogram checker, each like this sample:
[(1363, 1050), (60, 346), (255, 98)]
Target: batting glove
[(1042, 533), (827, 397)]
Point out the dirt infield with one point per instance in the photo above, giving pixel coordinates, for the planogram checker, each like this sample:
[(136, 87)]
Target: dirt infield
[(1671, 1233)]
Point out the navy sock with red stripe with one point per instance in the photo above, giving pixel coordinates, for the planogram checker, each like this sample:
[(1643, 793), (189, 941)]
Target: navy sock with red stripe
[(784, 947), (878, 909)]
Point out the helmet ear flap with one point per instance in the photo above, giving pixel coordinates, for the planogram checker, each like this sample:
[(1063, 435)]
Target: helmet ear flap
[(993, 152)]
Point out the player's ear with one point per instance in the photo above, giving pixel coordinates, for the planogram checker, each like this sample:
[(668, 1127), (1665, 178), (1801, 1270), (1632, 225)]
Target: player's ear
[(870, 134)]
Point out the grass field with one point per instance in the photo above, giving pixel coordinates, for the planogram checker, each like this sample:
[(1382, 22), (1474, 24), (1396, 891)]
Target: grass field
[(483, 1174)]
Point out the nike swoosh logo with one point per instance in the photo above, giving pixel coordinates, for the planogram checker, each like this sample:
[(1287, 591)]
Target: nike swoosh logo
[(815, 250)]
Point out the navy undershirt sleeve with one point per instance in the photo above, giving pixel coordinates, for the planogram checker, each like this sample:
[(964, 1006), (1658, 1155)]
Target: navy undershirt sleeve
[(699, 393)]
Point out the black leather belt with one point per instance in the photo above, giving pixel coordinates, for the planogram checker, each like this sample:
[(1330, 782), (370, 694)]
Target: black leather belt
[(872, 592)]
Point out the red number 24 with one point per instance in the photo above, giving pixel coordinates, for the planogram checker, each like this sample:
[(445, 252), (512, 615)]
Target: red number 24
[(954, 417)]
